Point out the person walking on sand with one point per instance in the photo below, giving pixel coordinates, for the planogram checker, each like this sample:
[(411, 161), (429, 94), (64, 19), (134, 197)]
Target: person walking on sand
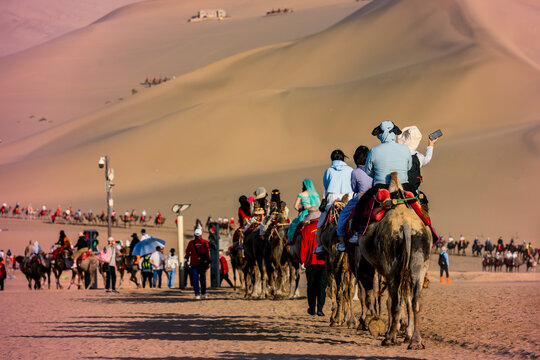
[(171, 264), (3, 273), (146, 270), (443, 264), (315, 268), (198, 256), (224, 271), (111, 267), (156, 259)]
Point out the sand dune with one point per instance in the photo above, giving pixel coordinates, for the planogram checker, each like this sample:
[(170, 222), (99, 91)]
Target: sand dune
[(271, 116)]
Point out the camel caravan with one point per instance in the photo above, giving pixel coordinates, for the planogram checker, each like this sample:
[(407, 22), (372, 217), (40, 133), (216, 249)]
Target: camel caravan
[(70, 217), (83, 264)]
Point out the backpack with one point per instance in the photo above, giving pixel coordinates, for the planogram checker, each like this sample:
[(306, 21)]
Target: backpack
[(146, 265), (415, 178), (442, 260)]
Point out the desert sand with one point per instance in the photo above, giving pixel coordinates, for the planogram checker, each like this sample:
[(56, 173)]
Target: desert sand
[(262, 101), (478, 316)]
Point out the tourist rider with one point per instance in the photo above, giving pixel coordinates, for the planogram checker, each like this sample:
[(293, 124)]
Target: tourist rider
[(244, 211), (134, 241), (411, 136), (382, 160), (360, 183), (305, 200), (337, 183)]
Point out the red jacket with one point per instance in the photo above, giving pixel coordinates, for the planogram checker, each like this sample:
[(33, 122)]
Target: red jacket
[(196, 249), (308, 245), (224, 268), (242, 217)]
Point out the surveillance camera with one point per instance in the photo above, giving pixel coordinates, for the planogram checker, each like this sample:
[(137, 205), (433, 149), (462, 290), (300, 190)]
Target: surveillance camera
[(101, 162)]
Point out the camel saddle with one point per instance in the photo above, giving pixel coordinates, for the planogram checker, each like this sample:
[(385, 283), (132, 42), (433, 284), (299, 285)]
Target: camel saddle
[(377, 206), (83, 256)]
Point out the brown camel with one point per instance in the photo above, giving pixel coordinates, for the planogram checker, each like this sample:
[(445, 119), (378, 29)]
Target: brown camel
[(275, 257), (236, 254), (61, 264), (340, 278), (89, 266), (398, 247)]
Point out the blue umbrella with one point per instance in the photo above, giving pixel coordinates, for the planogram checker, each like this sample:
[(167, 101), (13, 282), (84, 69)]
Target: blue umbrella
[(147, 246)]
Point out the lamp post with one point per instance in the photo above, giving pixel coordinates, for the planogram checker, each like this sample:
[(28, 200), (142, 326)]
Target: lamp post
[(109, 177), (178, 208)]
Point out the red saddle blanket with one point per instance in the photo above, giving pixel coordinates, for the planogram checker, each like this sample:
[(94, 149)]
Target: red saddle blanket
[(83, 256)]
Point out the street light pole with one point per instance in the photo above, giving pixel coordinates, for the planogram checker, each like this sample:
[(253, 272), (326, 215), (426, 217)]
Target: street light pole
[(109, 177)]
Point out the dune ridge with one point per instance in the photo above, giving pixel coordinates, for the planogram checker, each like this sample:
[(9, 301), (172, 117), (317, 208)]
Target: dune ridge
[(269, 110)]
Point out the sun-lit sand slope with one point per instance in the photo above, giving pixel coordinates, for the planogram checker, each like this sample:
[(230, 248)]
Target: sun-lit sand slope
[(28, 23), (272, 115), (96, 65)]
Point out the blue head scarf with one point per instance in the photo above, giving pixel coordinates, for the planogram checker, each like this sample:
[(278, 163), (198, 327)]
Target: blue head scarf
[(314, 198), (386, 132)]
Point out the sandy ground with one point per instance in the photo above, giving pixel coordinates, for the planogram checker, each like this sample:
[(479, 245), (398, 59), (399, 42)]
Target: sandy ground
[(480, 316)]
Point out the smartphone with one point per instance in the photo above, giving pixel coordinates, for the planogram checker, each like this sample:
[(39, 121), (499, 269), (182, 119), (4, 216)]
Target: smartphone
[(435, 135)]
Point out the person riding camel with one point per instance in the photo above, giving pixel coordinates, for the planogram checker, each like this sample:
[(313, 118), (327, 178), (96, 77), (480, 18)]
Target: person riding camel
[(258, 208), (411, 136), (275, 207), (62, 239), (382, 160), (244, 211), (134, 241), (304, 201), (360, 183), (81, 246), (337, 183)]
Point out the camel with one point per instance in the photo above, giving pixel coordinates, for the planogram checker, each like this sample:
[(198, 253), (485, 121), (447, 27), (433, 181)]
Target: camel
[(341, 284), (254, 274), (292, 251), (398, 248), (127, 264), (33, 269), (89, 266), (461, 247), (236, 255), (61, 264), (275, 257)]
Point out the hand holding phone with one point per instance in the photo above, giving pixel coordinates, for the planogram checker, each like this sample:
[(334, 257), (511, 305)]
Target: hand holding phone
[(435, 135)]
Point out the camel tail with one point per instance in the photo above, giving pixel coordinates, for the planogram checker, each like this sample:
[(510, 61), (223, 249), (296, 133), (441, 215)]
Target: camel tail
[(406, 269)]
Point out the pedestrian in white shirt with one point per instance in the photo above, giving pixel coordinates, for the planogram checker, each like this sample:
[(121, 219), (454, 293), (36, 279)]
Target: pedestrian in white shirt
[(157, 259)]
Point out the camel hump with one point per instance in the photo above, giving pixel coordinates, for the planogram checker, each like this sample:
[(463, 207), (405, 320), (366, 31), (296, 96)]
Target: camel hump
[(395, 184)]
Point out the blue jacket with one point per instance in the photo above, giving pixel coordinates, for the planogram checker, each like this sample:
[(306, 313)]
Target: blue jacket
[(443, 253), (388, 157), (337, 178)]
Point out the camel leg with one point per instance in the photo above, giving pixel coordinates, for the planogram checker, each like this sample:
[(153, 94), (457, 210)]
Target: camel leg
[(410, 312), (394, 312), (416, 341)]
